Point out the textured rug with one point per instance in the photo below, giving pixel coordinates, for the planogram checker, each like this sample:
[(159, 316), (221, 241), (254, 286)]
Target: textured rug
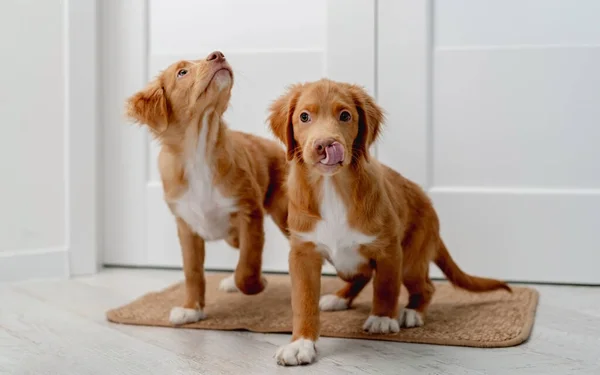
[(455, 317)]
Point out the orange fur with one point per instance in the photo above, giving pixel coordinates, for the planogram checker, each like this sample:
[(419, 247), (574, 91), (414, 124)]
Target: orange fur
[(183, 109), (379, 202)]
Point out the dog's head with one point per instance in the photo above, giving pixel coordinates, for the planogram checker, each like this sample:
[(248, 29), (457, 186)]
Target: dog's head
[(182, 92), (326, 125)]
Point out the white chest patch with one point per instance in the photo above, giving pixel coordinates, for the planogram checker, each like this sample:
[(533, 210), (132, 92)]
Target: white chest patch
[(333, 236), (202, 206)]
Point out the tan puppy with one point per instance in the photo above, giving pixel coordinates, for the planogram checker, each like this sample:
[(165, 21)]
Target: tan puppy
[(218, 183), (360, 215)]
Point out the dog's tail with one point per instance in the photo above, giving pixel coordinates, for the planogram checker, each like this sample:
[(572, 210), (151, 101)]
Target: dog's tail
[(459, 278)]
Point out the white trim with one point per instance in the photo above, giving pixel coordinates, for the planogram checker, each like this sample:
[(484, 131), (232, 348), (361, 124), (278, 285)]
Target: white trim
[(124, 38), (46, 263), (81, 137)]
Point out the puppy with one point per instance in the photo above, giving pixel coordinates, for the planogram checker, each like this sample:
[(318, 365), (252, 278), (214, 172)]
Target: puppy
[(364, 218), (218, 183)]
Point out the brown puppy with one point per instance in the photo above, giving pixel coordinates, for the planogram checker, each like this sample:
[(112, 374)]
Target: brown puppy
[(218, 183), (361, 216)]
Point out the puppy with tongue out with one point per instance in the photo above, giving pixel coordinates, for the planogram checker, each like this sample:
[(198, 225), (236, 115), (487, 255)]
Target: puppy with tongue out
[(366, 219)]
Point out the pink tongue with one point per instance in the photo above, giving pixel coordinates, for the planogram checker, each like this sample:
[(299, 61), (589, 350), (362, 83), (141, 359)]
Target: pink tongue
[(334, 154)]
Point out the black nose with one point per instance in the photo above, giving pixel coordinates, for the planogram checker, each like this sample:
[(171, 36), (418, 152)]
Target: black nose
[(217, 55)]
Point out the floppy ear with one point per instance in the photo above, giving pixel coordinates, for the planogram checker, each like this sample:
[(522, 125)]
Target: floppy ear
[(150, 107), (280, 119), (370, 118)]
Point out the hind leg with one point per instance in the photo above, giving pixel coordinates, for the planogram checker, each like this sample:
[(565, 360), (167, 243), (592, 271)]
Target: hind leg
[(342, 299), (420, 290), (248, 276), (416, 278), (233, 237), (278, 210)]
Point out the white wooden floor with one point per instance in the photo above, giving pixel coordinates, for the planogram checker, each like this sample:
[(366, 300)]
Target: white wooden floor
[(58, 327)]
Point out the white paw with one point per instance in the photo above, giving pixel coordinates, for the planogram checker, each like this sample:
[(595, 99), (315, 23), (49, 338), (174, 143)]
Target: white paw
[(299, 352), (381, 324), (228, 284), (181, 315), (410, 318), (331, 302)]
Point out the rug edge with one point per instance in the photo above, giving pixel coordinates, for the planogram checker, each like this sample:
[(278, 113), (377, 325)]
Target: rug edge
[(112, 316)]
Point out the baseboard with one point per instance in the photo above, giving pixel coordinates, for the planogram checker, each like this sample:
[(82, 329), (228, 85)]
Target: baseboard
[(20, 265)]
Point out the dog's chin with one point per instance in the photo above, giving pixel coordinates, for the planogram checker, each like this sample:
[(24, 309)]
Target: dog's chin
[(214, 97), (327, 170), (222, 80), (219, 83)]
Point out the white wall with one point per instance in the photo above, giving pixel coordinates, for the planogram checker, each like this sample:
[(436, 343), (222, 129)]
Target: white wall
[(47, 142), (32, 102)]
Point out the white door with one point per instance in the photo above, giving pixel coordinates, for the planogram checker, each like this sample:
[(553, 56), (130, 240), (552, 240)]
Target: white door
[(494, 107), (270, 44)]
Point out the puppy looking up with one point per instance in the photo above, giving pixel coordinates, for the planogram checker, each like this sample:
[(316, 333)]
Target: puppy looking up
[(363, 217), (218, 183)]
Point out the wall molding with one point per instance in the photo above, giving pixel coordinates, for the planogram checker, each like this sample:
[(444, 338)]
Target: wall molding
[(81, 135), (45, 263)]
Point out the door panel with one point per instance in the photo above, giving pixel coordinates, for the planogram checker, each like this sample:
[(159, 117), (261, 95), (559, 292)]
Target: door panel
[(492, 109), (510, 23), (516, 118), (522, 234), (267, 53)]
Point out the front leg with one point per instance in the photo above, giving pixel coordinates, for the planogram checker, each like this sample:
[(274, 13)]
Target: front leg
[(248, 277), (386, 291), (305, 265), (192, 249)]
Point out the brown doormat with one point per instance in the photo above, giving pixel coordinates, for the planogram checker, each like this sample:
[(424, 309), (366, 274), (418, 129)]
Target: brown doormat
[(455, 317)]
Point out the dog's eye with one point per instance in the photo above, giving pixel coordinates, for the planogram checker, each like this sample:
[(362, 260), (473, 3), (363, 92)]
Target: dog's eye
[(304, 117), (345, 116), (181, 73)]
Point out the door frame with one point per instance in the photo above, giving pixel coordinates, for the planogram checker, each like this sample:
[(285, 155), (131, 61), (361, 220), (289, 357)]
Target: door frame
[(81, 136)]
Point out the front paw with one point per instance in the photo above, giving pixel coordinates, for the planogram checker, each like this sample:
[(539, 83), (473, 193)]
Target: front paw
[(250, 285), (381, 324), (299, 352), (182, 315)]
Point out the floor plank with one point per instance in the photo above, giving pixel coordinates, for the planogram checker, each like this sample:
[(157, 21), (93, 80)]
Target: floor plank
[(37, 338), (59, 327)]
